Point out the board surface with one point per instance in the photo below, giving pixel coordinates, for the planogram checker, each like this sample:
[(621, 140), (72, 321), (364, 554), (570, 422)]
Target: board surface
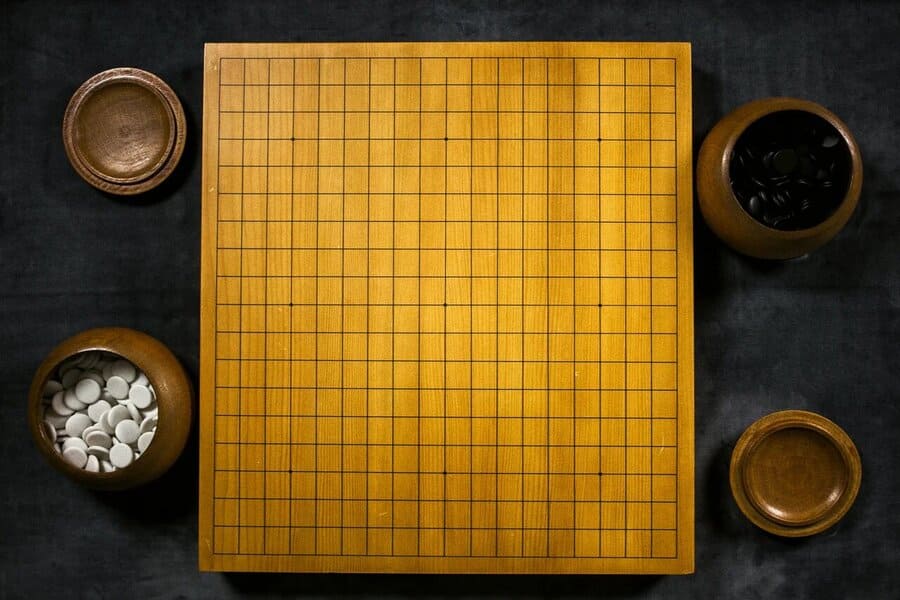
[(446, 308)]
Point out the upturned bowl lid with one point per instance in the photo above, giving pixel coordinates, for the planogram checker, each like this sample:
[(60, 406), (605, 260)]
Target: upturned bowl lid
[(124, 130), (795, 473)]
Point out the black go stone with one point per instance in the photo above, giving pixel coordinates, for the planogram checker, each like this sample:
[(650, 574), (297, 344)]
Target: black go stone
[(790, 170)]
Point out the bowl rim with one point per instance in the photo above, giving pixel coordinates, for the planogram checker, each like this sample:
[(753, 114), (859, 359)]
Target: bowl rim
[(757, 433), (752, 112), (174, 148)]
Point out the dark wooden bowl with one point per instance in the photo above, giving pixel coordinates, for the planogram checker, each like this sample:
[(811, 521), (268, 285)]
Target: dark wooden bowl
[(173, 395), (725, 215), (795, 473), (124, 131)]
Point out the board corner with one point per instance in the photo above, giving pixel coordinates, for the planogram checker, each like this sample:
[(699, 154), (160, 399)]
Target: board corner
[(211, 51), (204, 554), (687, 566)]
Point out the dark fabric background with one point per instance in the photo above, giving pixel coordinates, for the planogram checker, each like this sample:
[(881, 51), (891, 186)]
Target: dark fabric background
[(818, 333)]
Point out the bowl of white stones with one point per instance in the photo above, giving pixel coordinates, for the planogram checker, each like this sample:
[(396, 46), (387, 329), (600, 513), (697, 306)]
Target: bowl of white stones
[(111, 408)]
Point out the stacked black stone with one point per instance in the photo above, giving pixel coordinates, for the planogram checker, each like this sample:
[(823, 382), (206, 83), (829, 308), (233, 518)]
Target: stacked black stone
[(790, 170)]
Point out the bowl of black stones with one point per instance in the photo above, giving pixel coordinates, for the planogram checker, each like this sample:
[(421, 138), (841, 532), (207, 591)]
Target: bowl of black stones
[(777, 178)]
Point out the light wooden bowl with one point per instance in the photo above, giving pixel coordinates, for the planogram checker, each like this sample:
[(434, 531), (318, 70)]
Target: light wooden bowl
[(795, 473), (173, 395), (725, 215)]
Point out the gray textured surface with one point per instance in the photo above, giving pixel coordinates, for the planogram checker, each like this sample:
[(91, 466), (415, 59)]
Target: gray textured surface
[(818, 333)]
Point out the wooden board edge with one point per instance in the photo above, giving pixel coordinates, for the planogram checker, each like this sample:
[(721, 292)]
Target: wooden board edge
[(536, 49), (450, 565), (209, 160), (685, 380)]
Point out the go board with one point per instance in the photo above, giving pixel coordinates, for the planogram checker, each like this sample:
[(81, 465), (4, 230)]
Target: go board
[(447, 308)]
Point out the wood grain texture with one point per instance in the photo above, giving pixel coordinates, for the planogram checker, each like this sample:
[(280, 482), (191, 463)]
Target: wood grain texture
[(795, 473), (447, 315), (124, 131)]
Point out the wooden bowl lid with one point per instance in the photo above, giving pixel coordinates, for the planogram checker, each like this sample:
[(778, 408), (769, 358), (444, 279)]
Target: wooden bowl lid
[(124, 130), (795, 473)]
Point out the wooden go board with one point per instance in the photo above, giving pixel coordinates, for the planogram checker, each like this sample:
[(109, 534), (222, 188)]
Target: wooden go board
[(447, 308)]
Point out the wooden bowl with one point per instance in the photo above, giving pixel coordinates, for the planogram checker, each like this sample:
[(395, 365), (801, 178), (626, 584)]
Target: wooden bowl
[(173, 396), (124, 131), (795, 473), (728, 218)]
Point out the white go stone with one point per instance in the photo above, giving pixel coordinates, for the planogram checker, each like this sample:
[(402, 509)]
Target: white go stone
[(98, 438), (125, 370), (96, 376), (133, 411), (55, 419), (106, 369), (98, 451), (128, 431), (96, 410), (117, 414), (92, 465), (89, 430), (69, 378), (141, 380), (87, 390), (77, 423), (87, 360), (120, 455), (74, 442), (144, 440), (70, 399), (75, 456), (141, 396), (148, 424), (117, 387), (104, 423), (51, 387), (59, 405)]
